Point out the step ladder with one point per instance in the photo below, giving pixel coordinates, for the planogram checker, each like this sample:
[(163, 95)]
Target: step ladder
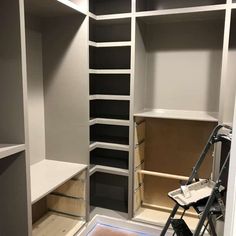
[(205, 196)]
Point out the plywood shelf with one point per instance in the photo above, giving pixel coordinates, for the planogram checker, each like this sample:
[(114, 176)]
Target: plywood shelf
[(108, 169), (112, 146), (109, 44), (10, 149), (57, 224), (106, 121), (179, 115), (109, 97), (47, 175), (110, 71), (159, 217)]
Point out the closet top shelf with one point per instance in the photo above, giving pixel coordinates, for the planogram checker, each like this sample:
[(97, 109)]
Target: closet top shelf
[(200, 12), (10, 149), (179, 115), (47, 175), (51, 8)]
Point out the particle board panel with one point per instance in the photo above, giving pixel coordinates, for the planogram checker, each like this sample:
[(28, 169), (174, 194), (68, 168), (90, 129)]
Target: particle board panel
[(139, 133), (67, 205), (55, 224), (138, 179), (139, 154)]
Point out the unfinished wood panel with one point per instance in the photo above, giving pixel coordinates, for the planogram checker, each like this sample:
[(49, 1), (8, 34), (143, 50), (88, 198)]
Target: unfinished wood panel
[(139, 133), (72, 188), (174, 146), (67, 205), (139, 153), (57, 224), (39, 209), (138, 198), (138, 179)]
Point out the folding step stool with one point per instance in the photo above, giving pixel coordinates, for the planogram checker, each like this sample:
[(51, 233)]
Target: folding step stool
[(207, 198)]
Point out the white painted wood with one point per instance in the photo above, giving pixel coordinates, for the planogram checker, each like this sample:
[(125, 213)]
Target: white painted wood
[(36, 121), (233, 6), (112, 71), (109, 44), (105, 121), (10, 149), (114, 16), (179, 114), (230, 217), (109, 97), (47, 175), (113, 146), (54, 7), (187, 10), (109, 170)]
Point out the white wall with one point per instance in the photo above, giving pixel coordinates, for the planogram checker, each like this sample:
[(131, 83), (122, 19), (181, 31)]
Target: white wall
[(35, 96)]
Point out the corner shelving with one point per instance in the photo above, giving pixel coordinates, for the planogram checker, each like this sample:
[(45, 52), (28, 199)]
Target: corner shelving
[(108, 170), (106, 121), (10, 149), (113, 146)]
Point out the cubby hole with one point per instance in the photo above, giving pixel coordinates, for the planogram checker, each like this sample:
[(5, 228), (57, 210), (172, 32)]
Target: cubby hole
[(102, 7), (109, 109), (110, 30), (151, 5), (109, 84), (109, 133), (109, 191), (181, 74), (171, 147), (108, 157), (109, 58)]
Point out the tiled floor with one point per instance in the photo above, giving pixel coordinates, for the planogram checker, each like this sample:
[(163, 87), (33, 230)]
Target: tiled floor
[(106, 230)]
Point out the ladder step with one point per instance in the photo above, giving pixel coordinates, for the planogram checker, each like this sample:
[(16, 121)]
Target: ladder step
[(180, 227)]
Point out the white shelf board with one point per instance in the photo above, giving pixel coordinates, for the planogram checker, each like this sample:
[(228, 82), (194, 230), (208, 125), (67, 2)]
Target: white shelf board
[(73, 6), (179, 115), (109, 44), (96, 211), (112, 16), (233, 5), (109, 97), (105, 121), (186, 10), (108, 169), (10, 149), (109, 71), (47, 175), (112, 146), (159, 218)]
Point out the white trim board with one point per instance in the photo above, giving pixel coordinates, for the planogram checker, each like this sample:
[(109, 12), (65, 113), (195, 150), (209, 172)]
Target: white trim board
[(10, 149)]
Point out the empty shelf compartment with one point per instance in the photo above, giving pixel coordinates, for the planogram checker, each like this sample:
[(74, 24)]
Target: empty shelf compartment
[(109, 84), (103, 7), (110, 30), (109, 57), (109, 134), (109, 191), (112, 158), (109, 109)]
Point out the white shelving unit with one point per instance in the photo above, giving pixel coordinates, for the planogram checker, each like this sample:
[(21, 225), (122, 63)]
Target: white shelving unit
[(113, 146), (10, 149), (94, 121), (109, 44), (111, 71), (109, 97), (108, 169), (47, 175)]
